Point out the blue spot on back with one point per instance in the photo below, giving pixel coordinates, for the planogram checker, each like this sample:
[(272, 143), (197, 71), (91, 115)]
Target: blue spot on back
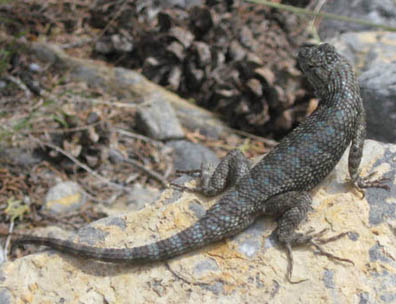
[(330, 131), (339, 114)]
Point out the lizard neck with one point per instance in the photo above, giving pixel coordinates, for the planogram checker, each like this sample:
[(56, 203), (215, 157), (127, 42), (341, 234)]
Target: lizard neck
[(342, 88)]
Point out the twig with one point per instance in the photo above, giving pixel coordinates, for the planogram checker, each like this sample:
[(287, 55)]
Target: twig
[(268, 142), (20, 84), (138, 136), (60, 130), (153, 174), (58, 219), (75, 44), (115, 104), (316, 20), (7, 243), (117, 13), (80, 164), (302, 11)]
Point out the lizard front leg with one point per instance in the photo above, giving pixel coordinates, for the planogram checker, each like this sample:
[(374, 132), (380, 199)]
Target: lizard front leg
[(228, 173), (354, 159)]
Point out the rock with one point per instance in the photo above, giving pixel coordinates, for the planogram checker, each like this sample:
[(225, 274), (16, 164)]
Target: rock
[(129, 85), (374, 55), (376, 11), (181, 3), (20, 156), (5, 296), (35, 68), (378, 90), (140, 196), (255, 86), (182, 35), (158, 120), (65, 197), (248, 268), (367, 49), (2, 256), (190, 156), (104, 45), (121, 43)]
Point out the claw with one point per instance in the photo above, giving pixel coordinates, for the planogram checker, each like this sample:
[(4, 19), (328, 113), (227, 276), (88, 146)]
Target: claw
[(364, 182), (290, 265), (330, 255), (333, 238), (328, 240), (314, 239)]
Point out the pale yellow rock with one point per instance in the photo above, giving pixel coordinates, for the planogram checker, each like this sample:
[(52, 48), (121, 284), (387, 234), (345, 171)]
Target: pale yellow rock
[(249, 268)]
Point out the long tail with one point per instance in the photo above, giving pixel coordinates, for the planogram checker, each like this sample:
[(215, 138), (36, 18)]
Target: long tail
[(207, 230)]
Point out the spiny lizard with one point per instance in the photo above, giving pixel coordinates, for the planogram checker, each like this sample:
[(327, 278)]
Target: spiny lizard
[(278, 184)]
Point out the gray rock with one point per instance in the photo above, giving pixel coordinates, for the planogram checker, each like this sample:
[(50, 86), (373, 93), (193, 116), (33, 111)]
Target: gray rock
[(180, 3), (158, 120), (2, 256), (378, 89), (34, 67), (115, 156), (376, 11), (5, 296), (21, 157), (121, 43), (91, 235), (114, 221), (139, 197), (245, 269), (190, 156), (366, 49), (65, 197), (129, 85), (104, 45), (373, 55)]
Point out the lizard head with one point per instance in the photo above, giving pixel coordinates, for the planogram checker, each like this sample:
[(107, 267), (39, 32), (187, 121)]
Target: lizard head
[(323, 66)]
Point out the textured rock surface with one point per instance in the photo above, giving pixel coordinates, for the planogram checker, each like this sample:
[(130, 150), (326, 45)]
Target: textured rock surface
[(158, 120), (367, 49), (65, 197), (376, 11), (190, 156), (247, 268), (374, 55), (128, 85)]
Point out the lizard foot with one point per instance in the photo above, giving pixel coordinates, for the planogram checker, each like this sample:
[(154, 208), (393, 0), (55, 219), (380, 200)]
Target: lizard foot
[(367, 182), (315, 240)]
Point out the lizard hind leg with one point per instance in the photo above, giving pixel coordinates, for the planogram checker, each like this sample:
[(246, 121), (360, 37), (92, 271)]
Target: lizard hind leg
[(214, 181), (291, 208)]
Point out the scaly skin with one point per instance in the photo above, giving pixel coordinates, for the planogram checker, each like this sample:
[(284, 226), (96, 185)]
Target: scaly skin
[(278, 184)]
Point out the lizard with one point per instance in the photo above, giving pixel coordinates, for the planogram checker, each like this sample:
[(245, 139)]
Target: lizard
[(278, 185)]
